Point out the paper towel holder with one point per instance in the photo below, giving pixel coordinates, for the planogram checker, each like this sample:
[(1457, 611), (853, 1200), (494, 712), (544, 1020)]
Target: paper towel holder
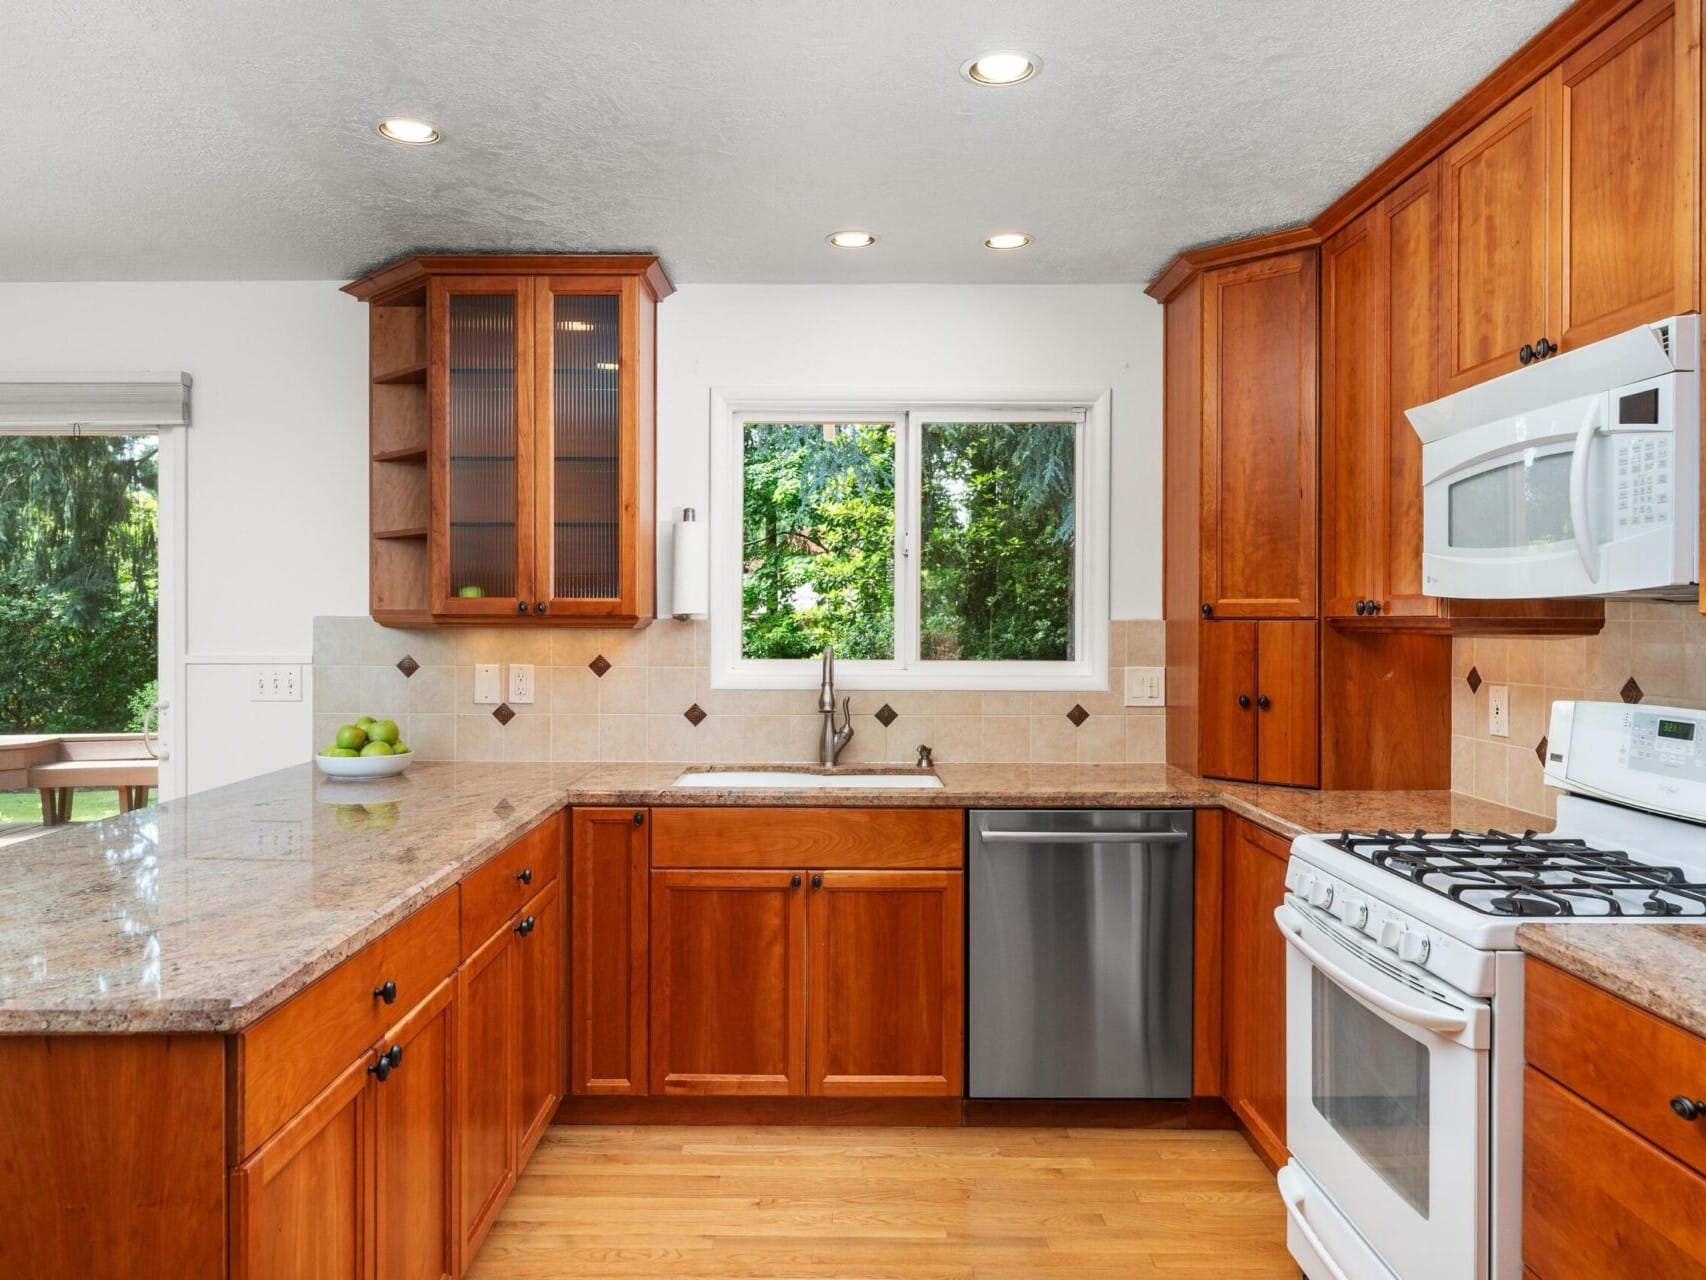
[(689, 562)]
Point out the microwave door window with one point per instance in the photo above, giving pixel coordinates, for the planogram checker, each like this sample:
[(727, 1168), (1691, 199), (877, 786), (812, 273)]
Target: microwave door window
[(1523, 504)]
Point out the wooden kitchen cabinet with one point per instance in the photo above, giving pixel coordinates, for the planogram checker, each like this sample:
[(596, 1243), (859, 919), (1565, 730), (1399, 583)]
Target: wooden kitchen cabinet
[(414, 1222), (610, 951), (728, 982), (1258, 439), (1571, 213), (541, 1028), (885, 955), (512, 454), (1260, 705), (1253, 984)]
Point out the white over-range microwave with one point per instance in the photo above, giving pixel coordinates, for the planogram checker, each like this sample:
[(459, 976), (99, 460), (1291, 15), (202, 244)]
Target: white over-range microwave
[(1578, 476)]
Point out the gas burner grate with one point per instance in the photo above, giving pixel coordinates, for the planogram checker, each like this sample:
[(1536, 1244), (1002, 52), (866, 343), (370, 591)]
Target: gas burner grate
[(1500, 873)]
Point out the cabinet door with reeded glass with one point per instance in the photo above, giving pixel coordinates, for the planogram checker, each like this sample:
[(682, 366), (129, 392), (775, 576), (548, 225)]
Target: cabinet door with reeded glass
[(481, 382), (589, 511)]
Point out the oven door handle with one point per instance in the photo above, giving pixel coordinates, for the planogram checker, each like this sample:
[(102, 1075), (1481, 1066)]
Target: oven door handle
[(1581, 518), (1293, 1195), (1447, 1024)]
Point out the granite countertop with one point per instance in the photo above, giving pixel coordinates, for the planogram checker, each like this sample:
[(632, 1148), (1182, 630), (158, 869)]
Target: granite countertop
[(1660, 967), (204, 913)]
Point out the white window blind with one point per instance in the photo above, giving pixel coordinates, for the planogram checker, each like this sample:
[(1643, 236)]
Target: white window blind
[(93, 403)]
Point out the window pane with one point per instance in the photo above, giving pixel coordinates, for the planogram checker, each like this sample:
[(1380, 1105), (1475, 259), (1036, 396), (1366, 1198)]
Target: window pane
[(818, 529), (998, 529)]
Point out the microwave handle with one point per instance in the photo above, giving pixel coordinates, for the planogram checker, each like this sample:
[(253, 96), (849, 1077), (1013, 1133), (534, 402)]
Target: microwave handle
[(1581, 519)]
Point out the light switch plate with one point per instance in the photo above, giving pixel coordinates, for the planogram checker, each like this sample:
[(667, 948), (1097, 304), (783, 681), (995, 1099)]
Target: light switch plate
[(1498, 711), (488, 684), (1146, 686), (521, 682), (276, 684)]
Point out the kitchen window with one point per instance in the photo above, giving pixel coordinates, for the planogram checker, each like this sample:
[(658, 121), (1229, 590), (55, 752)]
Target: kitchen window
[(937, 544)]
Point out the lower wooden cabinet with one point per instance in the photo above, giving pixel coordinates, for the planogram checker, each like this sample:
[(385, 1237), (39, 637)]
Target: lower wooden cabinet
[(541, 1028), (362, 1176), (835, 983), (609, 962), (728, 967), (1253, 984), (1260, 702)]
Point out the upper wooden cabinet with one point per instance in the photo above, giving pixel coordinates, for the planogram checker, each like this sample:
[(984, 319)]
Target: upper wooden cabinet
[(1570, 213), (1258, 434), (1260, 703), (513, 439)]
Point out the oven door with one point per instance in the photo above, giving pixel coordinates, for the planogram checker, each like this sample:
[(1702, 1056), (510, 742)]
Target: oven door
[(1387, 1087)]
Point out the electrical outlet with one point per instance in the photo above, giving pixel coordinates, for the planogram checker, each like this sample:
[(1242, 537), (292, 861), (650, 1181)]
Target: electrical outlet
[(275, 684), (1146, 686), (521, 682), (1498, 711), (488, 684)]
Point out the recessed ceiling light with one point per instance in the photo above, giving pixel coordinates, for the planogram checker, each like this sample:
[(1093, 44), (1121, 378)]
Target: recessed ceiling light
[(996, 70), (851, 239), (1007, 240), (412, 133)]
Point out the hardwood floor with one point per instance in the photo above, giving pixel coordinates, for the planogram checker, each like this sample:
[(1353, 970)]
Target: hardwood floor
[(889, 1204)]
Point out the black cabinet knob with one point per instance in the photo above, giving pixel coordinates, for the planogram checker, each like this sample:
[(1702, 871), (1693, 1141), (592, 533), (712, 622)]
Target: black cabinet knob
[(639, 817), (525, 875), (526, 926), (817, 881), (1208, 611), (394, 1056), (539, 606), (381, 1069), (1373, 607), (1244, 701), (1262, 701), (386, 991), (795, 882), (1545, 347), (521, 606), (1362, 607), (1525, 355), (1690, 1109)]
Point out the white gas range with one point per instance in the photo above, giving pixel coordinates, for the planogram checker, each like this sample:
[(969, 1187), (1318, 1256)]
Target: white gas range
[(1404, 995)]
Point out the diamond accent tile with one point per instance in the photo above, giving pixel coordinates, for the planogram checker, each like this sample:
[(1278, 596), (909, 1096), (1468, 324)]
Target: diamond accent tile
[(1077, 715), (407, 665), (1540, 749), (1631, 692), (887, 714), (695, 714), (1474, 679), (503, 713), (599, 666)]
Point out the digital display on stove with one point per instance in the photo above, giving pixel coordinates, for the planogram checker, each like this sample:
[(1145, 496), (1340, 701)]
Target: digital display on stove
[(1680, 730)]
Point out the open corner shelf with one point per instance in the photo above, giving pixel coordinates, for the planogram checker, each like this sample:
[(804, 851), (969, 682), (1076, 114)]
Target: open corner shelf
[(410, 453), (385, 535), (411, 373)]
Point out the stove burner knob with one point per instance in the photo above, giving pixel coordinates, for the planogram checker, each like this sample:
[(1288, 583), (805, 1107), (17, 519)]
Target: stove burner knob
[(1303, 885), (1390, 930), (1414, 947), (1356, 913), (1321, 895)]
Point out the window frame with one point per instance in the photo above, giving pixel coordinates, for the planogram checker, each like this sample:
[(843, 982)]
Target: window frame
[(1089, 411)]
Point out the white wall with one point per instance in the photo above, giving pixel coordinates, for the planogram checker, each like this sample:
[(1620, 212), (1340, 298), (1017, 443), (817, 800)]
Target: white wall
[(922, 338), (277, 489)]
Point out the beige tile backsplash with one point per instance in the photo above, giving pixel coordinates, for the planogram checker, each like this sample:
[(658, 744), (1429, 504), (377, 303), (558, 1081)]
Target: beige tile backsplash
[(635, 710), (1661, 647)]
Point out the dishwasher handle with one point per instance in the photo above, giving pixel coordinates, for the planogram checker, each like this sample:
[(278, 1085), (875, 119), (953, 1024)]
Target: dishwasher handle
[(1084, 837)]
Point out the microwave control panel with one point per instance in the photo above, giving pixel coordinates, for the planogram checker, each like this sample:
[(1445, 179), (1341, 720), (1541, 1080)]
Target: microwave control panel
[(1643, 484)]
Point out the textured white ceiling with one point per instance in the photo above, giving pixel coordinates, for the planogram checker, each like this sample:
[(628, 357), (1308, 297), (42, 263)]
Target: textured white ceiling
[(216, 139)]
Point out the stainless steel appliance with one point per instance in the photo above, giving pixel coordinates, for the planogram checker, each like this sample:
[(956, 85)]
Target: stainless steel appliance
[(1577, 477), (1404, 995), (1081, 949)]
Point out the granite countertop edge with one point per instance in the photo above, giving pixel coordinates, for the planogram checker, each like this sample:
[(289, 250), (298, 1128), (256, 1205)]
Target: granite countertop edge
[(1658, 967)]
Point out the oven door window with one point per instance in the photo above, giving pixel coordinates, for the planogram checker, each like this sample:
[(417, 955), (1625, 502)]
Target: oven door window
[(1371, 1084), (1523, 504)]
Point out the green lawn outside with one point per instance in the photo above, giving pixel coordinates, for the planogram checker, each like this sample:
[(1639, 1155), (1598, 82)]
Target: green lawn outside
[(88, 805)]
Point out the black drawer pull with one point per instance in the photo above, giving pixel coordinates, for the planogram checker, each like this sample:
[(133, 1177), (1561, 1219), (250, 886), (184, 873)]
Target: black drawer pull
[(1687, 1108), (525, 875), (386, 991)]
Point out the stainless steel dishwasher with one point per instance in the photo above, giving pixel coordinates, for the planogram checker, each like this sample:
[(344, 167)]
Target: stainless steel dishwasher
[(1080, 953)]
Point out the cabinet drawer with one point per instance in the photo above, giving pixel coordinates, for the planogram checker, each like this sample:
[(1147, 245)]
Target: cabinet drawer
[(497, 890), (1599, 1200), (300, 1047), (788, 839), (1624, 1060)]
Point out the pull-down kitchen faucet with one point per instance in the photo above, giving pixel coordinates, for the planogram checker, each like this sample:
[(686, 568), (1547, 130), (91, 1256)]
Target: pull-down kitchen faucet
[(829, 746)]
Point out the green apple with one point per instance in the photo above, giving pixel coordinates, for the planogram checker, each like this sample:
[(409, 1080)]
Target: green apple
[(470, 592), (399, 748), (341, 752), (351, 737), (364, 722), (376, 749), (383, 731)]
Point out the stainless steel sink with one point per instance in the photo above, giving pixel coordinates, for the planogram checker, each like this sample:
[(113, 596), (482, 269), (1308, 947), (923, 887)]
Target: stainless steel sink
[(783, 778)]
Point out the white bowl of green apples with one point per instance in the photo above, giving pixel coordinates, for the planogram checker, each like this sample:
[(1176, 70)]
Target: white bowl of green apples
[(368, 748)]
